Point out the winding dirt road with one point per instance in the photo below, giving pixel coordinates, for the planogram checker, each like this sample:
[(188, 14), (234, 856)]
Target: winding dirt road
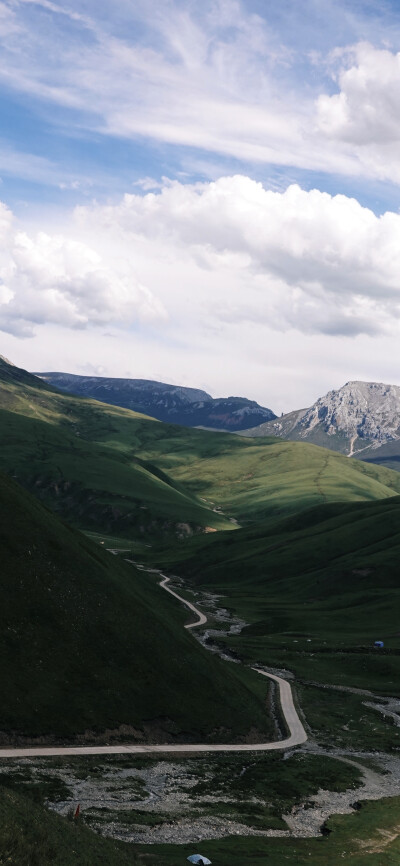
[(296, 737)]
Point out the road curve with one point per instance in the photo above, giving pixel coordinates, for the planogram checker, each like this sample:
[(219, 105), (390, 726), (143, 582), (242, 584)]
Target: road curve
[(201, 619), (296, 737)]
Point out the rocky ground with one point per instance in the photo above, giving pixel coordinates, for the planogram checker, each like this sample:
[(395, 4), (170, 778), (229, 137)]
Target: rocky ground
[(160, 795), (309, 819)]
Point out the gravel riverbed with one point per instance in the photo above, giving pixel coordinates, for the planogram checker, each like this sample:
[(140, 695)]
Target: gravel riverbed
[(110, 797)]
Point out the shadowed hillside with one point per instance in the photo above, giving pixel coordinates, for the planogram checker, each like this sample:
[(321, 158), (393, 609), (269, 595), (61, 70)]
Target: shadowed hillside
[(88, 643)]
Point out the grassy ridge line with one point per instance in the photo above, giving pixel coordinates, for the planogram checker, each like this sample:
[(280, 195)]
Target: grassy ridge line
[(363, 535), (89, 643), (267, 479)]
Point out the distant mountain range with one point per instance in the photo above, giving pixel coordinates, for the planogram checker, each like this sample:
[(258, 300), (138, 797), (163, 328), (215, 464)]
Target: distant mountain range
[(361, 419), (189, 407)]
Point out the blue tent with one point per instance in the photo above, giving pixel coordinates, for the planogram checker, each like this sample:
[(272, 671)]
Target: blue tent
[(379, 644), (199, 858)]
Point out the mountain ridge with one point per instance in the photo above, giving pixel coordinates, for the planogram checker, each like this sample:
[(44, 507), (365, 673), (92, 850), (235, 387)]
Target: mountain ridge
[(175, 404)]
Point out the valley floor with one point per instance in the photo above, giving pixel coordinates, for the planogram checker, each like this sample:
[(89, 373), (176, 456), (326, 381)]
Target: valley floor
[(176, 801)]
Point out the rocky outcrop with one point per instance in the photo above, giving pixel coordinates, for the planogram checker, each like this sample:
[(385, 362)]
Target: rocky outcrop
[(357, 418), (364, 410)]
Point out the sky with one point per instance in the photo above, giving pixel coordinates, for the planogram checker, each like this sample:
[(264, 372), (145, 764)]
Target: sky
[(205, 194)]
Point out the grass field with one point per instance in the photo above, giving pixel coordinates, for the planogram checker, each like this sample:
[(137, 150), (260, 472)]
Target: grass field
[(32, 836), (319, 574)]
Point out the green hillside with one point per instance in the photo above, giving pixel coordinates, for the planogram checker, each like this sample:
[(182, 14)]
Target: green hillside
[(328, 577), (110, 470), (270, 478), (88, 643)]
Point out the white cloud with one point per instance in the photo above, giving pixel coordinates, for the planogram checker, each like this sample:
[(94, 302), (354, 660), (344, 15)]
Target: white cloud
[(48, 278), (363, 117), (367, 108), (206, 256), (297, 259)]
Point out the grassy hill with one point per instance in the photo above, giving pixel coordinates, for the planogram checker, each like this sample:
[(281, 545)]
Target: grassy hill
[(267, 479), (89, 644), (80, 457), (110, 470), (340, 558)]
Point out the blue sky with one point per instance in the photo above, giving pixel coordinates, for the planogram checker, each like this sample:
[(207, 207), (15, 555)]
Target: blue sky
[(147, 153), (68, 128)]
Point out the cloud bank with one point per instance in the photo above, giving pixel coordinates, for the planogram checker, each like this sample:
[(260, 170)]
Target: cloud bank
[(192, 258), (304, 260)]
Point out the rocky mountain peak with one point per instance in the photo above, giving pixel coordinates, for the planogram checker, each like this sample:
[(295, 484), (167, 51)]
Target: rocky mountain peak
[(365, 410)]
